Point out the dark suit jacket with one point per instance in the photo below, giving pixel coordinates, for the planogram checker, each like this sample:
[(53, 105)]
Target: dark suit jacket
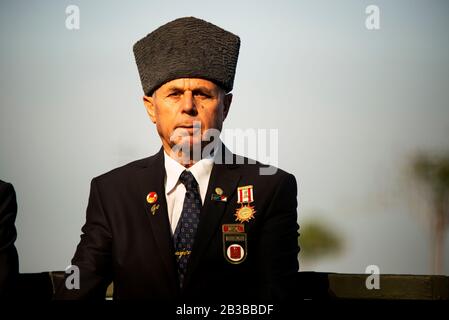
[(124, 242), (9, 263)]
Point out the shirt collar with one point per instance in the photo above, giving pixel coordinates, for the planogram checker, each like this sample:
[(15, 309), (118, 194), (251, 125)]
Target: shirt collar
[(200, 170), (173, 170)]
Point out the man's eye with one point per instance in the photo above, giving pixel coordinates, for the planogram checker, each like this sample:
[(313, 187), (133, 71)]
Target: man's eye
[(202, 95), (173, 94)]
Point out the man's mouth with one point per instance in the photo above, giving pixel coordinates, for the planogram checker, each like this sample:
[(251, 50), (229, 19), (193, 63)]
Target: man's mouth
[(190, 129), (190, 126)]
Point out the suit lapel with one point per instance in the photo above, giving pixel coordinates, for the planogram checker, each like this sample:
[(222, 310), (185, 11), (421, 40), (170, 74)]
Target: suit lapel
[(227, 178), (151, 179)]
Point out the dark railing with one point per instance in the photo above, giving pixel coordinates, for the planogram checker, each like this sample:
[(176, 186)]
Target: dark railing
[(310, 285)]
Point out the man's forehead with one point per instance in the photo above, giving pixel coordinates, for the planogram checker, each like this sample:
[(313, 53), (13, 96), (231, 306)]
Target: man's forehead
[(189, 84)]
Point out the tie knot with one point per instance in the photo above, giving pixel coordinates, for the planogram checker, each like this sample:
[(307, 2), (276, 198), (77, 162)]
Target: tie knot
[(188, 180)]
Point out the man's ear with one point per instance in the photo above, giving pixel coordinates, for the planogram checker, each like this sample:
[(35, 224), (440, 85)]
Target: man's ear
[(149, 105), (227, 104)]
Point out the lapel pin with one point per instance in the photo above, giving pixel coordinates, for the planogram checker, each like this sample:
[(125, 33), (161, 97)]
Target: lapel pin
[(219, 198), (152, 197), (154, 207), (218, 195)]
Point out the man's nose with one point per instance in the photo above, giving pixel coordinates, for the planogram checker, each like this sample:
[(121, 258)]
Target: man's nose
[(188, 103)]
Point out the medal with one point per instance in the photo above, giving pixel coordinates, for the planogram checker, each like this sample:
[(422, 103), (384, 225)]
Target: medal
[(245, 196), (244, 213)]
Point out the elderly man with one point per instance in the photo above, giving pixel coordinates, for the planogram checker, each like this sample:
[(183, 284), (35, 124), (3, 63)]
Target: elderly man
[(183, 227)]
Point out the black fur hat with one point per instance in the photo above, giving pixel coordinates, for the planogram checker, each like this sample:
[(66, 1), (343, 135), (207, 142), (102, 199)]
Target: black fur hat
[(187, 48)]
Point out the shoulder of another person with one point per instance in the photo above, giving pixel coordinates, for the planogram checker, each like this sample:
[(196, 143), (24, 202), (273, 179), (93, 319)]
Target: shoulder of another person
[(6, 189)]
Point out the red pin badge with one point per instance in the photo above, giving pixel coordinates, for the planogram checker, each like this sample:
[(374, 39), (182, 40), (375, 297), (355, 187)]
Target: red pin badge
[(152, 197)]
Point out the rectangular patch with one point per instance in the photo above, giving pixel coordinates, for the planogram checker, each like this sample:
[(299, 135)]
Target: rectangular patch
[(233, 228)]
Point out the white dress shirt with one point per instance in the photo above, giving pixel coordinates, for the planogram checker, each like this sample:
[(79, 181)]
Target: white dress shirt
[(175, 191)]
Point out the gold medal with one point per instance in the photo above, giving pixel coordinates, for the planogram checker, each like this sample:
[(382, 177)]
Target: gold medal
[(245, 213)]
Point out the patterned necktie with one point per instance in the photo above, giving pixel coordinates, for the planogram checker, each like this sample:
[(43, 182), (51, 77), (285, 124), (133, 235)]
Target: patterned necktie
[(187, 224)]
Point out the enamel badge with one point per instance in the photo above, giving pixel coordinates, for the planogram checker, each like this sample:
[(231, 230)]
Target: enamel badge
[(245, 196), (220, 198), (152, 197), (218, 195), (234, 243)]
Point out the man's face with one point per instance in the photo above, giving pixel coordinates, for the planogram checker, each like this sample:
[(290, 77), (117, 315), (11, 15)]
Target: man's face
[(177, 104)]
